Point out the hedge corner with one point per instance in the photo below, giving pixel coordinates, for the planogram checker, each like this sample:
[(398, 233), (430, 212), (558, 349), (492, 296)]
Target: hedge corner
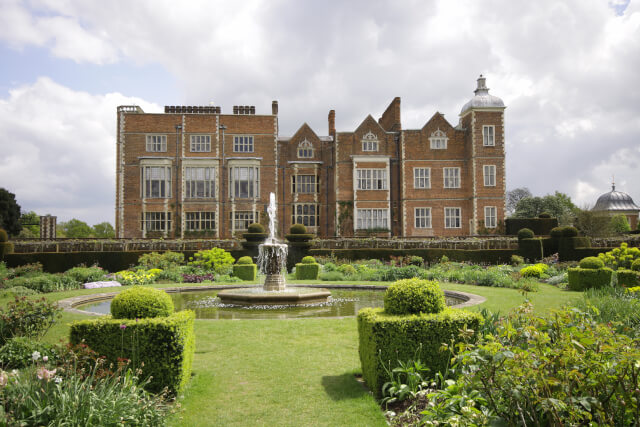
[(307, 271), (162, 346), (386, 339), (586, 278), (245, 271)]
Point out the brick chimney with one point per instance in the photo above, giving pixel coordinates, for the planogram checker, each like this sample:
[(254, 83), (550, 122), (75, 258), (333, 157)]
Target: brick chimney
[(274, 108), (332, 122)]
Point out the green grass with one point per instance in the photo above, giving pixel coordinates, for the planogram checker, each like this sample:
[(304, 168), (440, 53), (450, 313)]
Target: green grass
[(290, 372)]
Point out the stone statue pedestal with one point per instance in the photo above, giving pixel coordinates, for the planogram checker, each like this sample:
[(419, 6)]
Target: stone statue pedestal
[(274, 282)]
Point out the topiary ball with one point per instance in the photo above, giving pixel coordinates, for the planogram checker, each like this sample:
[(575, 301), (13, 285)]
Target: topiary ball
[(525, 233), (298, 229), (4, 237), (308, 260), (141, 301), (569, 231), (592, 263), (635, 265), (556, 232), (245, 260), (255, 228), (414, 296), (544, 215)]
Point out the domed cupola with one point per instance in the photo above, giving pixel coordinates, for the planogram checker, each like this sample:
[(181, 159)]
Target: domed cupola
[(482, 98), (615, 201)]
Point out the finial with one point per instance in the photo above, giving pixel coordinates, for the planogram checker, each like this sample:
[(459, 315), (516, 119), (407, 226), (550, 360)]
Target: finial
[(613, 183), (482, 88)]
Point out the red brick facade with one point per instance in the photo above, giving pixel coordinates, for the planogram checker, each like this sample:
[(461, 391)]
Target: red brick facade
[(193, 171)]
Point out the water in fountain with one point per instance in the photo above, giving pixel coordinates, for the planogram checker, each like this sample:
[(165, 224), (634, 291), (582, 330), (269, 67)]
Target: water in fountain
[(272, 256)]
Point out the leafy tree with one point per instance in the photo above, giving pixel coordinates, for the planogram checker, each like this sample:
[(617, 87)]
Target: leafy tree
[(593, 223), (559, 205), (514, 196), (104, 230), (31, 221), (75, 228), (9, 213), (620, 224)]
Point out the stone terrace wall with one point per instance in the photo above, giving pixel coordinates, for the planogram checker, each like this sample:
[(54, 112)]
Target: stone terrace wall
[(107, 245), (469, 243)]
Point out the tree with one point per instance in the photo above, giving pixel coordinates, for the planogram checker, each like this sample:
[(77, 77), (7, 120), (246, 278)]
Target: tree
[(31, 221), (9, 213), (593, 223), (620, 224), (514, 196), (559, 205), (75, 228), (104, 230)]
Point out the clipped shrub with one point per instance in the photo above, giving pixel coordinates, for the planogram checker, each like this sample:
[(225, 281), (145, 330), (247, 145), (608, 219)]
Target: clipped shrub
[(587, 278), (517, 260), (141, 302), (556, 232), (536, 270), (162, 347), (413, 296), (255, 228), (308, 260), (635, 265), (531, 249), (244, 260), (628, 278), (18, 352), (307, 270), (525, 233), (544, 215), (569, 231), (215, 259), (4, 237), (385, 339), (298, 229), (245, 271), (591, 262)]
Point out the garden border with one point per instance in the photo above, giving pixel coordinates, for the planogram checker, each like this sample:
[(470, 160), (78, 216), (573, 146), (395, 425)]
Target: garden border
[(69, 304)]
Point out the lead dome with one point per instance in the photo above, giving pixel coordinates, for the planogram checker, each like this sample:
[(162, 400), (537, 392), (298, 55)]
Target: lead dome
[(615, 201), (482, 99)]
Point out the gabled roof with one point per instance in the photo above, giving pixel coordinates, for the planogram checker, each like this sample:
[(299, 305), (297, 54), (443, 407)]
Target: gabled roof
[(439, 117), (368, 123)]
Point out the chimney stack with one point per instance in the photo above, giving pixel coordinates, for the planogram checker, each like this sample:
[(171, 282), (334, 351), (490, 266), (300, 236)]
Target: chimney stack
[(332, 122), (274, 108)]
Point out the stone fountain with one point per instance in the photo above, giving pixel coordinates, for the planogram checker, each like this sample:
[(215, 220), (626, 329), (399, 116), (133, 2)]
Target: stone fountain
[(272, 261)]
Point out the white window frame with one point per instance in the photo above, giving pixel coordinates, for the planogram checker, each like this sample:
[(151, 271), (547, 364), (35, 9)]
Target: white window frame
[(422, 178), (372, 179), (438, 140), (422, 217), (236, 181), (305, 150), (370, 142), (242, 219), (305, 184), (452, 217), (199, 182), (490, 217), (161, 176), (489, 173), (369, 218), (243, 144), (451, 177), (308, 217), (489, 135), (199, 221), (156, 143), (200, 143), (156, 221)]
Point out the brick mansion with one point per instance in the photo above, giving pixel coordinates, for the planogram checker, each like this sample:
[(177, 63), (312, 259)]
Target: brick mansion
[(193, 171)]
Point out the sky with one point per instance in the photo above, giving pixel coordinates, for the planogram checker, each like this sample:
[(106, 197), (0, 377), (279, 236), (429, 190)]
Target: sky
[(568, 72)]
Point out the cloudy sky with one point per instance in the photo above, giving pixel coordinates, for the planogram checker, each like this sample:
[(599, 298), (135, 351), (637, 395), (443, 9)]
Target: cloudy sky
[(568, 72)]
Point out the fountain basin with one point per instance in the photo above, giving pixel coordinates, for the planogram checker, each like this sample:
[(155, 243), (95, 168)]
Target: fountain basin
[(289, 296)]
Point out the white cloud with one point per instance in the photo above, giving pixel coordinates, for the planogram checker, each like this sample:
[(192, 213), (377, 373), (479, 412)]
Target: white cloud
[(567, 70), (58, 150)]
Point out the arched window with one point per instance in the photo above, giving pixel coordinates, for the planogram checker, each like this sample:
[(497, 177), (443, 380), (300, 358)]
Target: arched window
[(438, 140), (305, 150), (369, 142)]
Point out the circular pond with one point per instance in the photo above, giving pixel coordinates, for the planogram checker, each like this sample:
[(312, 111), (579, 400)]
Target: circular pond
[(345, 301)]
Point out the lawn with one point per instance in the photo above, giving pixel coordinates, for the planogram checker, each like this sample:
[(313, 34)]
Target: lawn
[(290, 372)]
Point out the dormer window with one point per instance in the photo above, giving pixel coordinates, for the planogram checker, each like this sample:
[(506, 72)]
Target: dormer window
[(370, 142), (438, 140), (305, 150)]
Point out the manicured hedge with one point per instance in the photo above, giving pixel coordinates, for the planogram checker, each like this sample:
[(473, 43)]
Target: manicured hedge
[(307, 271), (6, 249), (628, 278), (480, 256), (586, 278), (245, 271), (540, 226), (163, 346), (531, 249), (387, 339), (139, 302)]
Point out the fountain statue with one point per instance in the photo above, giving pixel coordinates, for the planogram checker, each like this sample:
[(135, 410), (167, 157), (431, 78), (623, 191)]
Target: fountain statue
[(272, 261)]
